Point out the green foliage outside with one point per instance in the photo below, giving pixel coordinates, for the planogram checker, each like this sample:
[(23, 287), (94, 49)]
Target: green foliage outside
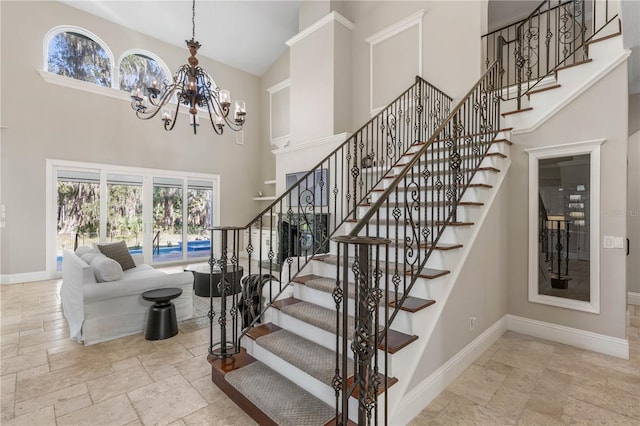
[(140, 71), (77, 56), (79, 212)]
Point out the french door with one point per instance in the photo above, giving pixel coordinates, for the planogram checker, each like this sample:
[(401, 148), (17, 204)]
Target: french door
[(163, 215)]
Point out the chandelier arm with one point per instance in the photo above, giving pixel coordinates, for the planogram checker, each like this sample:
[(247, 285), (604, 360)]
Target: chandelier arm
[(144, 115), (216, 128), (169, 124)]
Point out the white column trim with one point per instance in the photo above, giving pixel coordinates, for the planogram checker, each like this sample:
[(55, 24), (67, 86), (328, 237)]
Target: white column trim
[(280, 141), (333, 16)]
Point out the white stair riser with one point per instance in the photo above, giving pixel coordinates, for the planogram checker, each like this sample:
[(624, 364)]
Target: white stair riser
[(465, 213), (443, 164), (328, 270), (451, 234), (471, 194), (402, 322), (324, 338), (481, 176), (320, 390)]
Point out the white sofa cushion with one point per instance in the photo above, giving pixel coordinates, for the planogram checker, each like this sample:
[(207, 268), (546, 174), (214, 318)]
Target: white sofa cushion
[(82, 250), (106, 269), (88, 257)]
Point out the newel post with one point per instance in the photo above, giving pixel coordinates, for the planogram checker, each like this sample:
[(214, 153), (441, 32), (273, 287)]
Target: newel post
[(367, 268)]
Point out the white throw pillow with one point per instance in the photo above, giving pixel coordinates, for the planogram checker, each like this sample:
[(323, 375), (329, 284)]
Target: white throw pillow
[(88, 257), (82, 250), (106, 269)]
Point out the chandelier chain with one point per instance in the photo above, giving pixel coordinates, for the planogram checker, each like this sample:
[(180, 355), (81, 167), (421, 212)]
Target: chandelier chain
[(193, 20)]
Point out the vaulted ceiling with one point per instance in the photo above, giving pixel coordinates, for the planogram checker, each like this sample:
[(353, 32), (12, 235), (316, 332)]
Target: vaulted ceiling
[(248, 35)]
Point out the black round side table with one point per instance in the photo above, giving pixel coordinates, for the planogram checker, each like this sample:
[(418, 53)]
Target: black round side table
[(162, 322)]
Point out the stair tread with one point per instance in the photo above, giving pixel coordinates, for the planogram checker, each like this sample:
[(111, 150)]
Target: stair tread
[(506, 129), (308, 356), (325, 319), (373, 221), (442, 172), (575, 64), (277, 397), (430, 187), (429, 204), (429, 273), (504, 114), (543, 89), (444, 159), (411, 304), (438, 246)]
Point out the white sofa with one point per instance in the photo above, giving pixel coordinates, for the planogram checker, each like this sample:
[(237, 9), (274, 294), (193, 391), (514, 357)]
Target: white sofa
[(101, 311)]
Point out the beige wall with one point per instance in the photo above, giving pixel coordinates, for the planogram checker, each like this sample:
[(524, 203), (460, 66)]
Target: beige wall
[(44, 120), (311, 11), (634, 113), (451, 55), (633, 217), (481, 292), (604, 108)]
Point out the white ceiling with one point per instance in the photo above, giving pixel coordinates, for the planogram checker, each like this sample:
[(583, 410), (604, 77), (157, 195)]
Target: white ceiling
[(248, 35)]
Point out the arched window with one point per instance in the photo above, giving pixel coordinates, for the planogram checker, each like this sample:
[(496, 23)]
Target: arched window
[(78, 54), (139, 69)]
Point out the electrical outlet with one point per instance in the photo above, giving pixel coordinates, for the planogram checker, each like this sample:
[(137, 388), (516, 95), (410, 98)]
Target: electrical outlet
[(472, 323), (618, 242)]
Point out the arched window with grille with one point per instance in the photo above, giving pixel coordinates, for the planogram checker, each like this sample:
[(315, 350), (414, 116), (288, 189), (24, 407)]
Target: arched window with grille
[(77, 53)]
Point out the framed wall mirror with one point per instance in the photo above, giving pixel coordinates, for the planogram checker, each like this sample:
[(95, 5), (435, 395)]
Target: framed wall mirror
[(564, 234)]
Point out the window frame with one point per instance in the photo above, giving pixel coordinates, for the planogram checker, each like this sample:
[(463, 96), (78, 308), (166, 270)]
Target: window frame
[(53, 165)]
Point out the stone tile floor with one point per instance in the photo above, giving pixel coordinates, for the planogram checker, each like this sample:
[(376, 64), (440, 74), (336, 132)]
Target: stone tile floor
[(527, 381), (46, 379)]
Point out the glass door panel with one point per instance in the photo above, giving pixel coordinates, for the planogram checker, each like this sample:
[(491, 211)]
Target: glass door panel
[(199, 217), (124, 210), (167, 219), (78, 210)]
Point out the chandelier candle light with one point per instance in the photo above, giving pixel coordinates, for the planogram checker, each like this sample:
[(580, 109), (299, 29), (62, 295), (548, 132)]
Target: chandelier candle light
[(193, 87)]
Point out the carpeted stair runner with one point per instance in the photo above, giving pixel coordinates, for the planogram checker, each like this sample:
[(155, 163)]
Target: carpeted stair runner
[(317, 316), (327, 285), (280, 399), (317, 361)]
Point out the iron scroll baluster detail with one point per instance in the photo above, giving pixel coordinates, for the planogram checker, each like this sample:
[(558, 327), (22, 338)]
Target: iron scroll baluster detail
[(369, 282), (319, 214)]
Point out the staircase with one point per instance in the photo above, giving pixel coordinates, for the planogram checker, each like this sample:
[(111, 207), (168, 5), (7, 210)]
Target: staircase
[(337, 335)]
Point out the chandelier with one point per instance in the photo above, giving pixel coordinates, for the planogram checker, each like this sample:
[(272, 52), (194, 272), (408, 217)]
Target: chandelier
[(192, 87)]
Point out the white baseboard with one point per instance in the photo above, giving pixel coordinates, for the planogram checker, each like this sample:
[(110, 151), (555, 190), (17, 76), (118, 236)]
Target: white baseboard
[(26, 277), (633, 298), (570, 336), (420, 396)]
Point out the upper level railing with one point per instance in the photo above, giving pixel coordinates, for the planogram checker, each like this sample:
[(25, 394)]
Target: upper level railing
[(284, 237), (553, 35)]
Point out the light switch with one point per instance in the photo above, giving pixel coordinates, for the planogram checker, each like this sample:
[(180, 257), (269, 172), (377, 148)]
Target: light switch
[(619, 242), (608, 241)]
